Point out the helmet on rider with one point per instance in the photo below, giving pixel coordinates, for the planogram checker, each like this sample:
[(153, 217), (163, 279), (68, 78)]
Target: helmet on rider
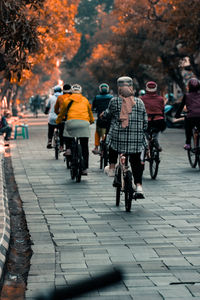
[(142, 92), (104, 88), (193, 85), (125, 81), (76, 88), (57, 89), (151, 87)]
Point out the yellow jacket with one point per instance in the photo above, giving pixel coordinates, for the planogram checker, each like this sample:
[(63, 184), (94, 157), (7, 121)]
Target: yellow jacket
[(79, 110), (59, 102)]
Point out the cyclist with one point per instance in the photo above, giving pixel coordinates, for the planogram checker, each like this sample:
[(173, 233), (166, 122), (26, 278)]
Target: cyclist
[(59, 102), (52, 116), (79, 117), (192, 102), (100, 103), (127, 130), (155, 106)]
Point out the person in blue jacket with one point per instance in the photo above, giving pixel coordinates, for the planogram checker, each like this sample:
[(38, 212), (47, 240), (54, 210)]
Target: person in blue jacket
[(100, 104)]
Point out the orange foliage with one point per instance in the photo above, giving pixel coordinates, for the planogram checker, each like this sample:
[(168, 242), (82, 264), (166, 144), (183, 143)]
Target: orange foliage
[(58, 38)]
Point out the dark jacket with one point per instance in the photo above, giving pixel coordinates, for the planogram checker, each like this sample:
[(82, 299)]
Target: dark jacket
[(192, 102), (100, 102), (3, 122), (154, 105)]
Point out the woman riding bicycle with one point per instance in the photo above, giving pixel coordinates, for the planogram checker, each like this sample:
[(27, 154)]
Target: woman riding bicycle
[(79, 117), (127, 129), (155, 105), (192, 102)]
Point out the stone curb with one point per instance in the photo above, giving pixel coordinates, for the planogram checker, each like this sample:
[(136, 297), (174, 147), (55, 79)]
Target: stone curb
[(4, 212)]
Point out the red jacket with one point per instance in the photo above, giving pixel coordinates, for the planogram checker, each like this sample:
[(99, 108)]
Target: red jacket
[(154, 104)]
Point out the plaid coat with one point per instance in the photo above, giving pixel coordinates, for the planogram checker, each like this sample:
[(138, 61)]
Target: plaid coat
[(132, 138)]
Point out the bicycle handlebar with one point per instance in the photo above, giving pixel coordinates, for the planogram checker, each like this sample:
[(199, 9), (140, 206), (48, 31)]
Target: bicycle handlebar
[(84, 286)]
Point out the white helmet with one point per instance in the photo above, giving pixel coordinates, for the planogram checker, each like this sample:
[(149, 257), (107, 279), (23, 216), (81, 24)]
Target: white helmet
[(76, 88), (125, 81)]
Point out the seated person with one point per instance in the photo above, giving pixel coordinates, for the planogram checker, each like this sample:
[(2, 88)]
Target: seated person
[(4, 126)]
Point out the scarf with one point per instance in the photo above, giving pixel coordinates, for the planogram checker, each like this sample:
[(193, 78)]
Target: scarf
[(127, 95)]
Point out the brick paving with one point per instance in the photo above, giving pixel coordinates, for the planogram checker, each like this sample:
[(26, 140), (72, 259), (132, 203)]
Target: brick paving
[(78, 231)]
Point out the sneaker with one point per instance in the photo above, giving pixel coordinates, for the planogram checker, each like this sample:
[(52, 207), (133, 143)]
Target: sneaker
[(84, 172), (139, 192), (109, 172), (187, 147), (49, 146), (95, 151)]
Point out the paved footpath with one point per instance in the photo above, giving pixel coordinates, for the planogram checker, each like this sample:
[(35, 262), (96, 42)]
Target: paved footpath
[(78, 231)]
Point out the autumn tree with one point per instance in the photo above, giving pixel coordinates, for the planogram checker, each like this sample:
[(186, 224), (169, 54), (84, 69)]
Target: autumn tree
[(56, 38), (88, 23), (150, 40)]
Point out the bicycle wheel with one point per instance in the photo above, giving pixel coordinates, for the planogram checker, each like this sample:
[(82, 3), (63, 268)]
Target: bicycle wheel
[(105, 155), (154, 162), (117, 184), (68, 161), (101, 155), (79, 163), (128, 190), (56, 151), (193, 153)]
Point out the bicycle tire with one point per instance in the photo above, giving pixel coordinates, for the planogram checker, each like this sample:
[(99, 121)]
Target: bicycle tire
[(68, 161), (56, 152), (79, 163), (118, 188), (56, 143), (105, 155), (192, 154), (154, 162), (101, 155), (128, 190)]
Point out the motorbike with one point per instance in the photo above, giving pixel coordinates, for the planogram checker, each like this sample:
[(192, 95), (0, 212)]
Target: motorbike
[(171, 121)]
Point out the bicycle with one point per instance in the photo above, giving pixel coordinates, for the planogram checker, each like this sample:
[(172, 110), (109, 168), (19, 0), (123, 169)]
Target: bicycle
[(77, 161), (123, 183), (56, 142), (194, 151), (152, 155), (103, 153)]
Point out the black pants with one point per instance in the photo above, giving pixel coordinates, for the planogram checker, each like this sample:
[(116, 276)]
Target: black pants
[(190, 123), (7, 130), (51, 131), (135, 161), (85, 149)]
